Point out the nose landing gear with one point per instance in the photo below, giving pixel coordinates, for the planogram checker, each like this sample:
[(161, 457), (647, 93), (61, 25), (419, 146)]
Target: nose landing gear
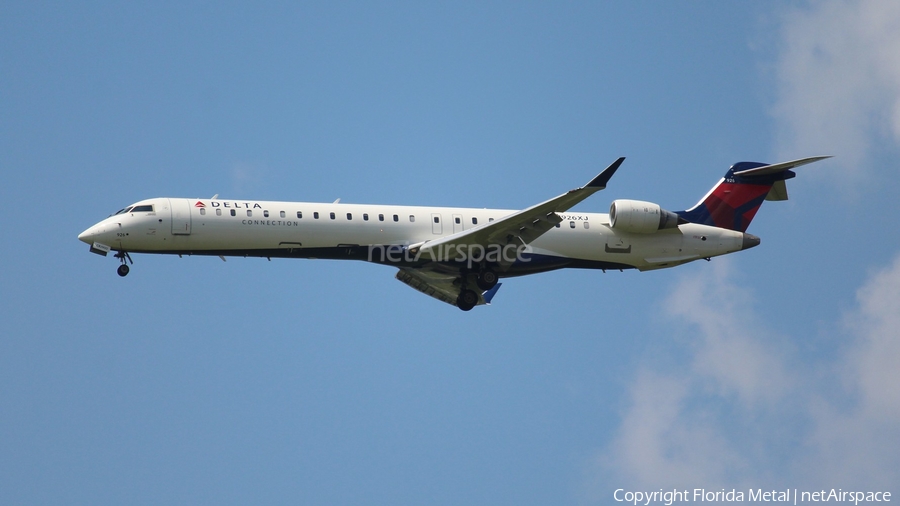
[(123, 269)]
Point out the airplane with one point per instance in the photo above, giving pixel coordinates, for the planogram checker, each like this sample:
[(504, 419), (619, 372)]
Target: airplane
[(455, 255)]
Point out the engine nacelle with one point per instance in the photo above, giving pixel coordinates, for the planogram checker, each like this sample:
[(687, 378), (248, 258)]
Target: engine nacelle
[(640, 217)]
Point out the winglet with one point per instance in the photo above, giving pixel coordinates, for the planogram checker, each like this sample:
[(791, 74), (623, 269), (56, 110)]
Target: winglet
[(604, 177), (488, 295)]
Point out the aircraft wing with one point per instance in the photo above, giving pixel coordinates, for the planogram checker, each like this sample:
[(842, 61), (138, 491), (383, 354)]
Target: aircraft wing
[(522, 226), (443, 287)]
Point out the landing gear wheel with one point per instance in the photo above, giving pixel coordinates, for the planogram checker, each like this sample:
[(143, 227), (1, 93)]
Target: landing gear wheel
[(124, 257), (467, 300), (486, 279)]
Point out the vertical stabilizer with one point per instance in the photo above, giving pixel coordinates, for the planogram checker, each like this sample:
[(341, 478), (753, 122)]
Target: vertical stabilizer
[(734, 200)]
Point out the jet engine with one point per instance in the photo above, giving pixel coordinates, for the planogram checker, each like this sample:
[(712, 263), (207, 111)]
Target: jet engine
[(640, 217)]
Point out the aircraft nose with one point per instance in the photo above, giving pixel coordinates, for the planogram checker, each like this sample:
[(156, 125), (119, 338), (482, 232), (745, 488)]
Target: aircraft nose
[(91, 234), (749, 241)]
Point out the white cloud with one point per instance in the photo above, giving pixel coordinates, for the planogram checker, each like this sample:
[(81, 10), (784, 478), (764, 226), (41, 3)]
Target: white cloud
[(746, 409), (839, 81), (663, 442), (737, 418), (876, 357), (858, 435), (729, 351)]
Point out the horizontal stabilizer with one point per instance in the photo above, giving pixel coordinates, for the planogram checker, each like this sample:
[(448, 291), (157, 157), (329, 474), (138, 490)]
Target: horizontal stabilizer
[(778, 167)]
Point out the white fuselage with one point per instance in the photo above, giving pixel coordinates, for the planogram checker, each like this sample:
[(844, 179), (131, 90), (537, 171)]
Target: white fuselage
[(351, 231)]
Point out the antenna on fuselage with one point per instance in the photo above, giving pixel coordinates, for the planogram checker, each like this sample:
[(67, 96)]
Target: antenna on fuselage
[(214, 197), (338, 201)]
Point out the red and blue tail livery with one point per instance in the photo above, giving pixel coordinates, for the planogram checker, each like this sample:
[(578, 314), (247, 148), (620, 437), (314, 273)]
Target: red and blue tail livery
[(733, 202)]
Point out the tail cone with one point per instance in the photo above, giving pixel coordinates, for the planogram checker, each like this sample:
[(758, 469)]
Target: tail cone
[(749, 241)]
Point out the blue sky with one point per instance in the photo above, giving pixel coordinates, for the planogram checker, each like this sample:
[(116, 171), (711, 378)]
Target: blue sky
[(195, 381)]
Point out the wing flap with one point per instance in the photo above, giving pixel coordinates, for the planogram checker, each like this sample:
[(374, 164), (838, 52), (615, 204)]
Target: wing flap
[(440, 289)]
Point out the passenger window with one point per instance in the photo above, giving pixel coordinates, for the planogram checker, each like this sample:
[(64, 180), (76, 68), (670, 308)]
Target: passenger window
[(557, 225), (571, 224), (332, 215), (249, 213), (490, 219), (412, 218), (380, 217), (233, 212), (316, 215), (396, 218), (202, 211), (365, 216), (299, 215), (282, 214), (587, 225), (218, 212), (349, 216), (265, 214), (474, 220)]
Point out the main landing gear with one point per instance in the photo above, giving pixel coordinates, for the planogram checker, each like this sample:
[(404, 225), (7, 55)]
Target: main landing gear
[(467, 299), (484, 280), (123, 269)]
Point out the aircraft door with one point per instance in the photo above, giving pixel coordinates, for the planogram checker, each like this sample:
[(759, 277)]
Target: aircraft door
[(181, 216), (436, 226), (457, 223)]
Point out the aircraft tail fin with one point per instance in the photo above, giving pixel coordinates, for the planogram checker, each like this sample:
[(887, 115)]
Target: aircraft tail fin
[(733, 201)]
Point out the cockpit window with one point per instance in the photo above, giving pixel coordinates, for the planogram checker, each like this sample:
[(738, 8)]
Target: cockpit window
[(123, 211), (142, 209)]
